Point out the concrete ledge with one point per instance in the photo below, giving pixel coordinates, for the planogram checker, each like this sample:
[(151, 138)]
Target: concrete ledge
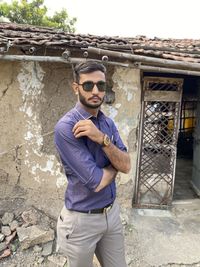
[(197, 191)]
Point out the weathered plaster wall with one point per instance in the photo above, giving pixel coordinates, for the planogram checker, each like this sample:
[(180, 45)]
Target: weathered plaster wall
[(33, 96), (125, 111)]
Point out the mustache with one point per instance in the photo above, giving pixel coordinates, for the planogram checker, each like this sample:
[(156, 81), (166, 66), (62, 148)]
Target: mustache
[(94, 97)]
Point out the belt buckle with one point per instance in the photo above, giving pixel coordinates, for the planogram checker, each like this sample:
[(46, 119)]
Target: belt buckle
[(105, 210)]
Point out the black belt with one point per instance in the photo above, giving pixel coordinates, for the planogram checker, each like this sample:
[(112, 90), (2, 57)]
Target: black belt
[(96, 211)]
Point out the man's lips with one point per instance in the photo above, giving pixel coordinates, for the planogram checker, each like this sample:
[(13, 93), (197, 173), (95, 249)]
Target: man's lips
[(95, 98)]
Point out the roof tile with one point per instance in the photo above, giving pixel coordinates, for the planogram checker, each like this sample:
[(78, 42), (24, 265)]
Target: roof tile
[(26, 35)]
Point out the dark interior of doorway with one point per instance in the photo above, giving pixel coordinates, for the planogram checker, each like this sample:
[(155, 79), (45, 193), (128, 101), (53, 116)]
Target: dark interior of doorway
[(183, 174), (184, 162)]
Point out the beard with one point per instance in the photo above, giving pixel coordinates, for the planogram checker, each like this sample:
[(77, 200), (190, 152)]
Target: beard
[(84, 102)]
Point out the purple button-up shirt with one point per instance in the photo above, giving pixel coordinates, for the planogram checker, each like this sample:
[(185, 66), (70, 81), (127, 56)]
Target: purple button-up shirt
[(83, 160)]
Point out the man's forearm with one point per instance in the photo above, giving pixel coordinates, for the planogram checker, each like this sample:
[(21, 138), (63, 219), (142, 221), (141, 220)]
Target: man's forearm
[(109, 174), (119, 159)]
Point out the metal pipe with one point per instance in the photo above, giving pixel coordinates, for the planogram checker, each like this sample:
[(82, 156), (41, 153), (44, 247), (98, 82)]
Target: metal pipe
[(169, 70), (77, 60), (143, 59), (56, 59), (32, 58)]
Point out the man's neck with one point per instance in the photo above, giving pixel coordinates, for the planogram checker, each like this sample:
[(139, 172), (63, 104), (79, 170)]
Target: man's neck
[(92, 111)]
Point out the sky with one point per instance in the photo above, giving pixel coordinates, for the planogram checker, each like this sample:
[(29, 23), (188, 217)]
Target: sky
[(130, 18)]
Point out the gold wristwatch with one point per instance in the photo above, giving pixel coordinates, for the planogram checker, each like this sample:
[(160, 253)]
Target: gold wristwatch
[(106, 140)]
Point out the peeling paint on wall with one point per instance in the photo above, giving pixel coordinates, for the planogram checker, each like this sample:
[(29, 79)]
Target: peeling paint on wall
[(125, 112), (30, 81), (112, 112), (40, 164), (129, 96), (118, 105), (61, 181), (42, 94), (126, 82)]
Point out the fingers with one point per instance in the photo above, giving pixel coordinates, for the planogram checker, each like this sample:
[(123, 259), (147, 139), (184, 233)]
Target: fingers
[(87, 128), (80, 124), (80, 134), (82, 128), (80, 131)]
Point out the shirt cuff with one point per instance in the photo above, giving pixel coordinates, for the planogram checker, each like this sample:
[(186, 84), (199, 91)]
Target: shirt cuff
[(95, 179)]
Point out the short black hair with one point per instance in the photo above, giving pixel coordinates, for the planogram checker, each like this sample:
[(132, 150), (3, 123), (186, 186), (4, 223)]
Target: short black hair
[(87, 67)]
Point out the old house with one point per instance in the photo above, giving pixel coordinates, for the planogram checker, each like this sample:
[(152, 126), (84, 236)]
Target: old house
[(153, 96)]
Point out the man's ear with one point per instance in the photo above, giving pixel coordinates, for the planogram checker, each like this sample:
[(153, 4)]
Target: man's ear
[(75, 87)]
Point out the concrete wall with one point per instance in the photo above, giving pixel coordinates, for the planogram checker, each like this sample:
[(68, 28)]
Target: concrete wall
[(196, 148), (33, 96)]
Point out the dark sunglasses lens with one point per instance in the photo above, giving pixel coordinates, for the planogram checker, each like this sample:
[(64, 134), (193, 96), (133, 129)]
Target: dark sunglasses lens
[(88, 86), (101, 86)]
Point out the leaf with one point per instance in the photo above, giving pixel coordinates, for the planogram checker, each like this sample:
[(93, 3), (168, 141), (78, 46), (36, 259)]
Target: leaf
[(35, 13)]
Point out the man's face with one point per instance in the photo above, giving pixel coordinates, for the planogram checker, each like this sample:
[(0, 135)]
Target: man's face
[(92, 99)]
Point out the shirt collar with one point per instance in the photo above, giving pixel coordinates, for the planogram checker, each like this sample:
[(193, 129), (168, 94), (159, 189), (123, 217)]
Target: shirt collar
[(84, 114)]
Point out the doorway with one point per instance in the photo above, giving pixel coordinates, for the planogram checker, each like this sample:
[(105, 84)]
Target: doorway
[(161, 102), (184, 164)]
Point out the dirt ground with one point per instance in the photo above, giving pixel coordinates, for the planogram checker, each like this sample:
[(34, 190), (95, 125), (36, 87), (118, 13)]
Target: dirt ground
[(152, 238)]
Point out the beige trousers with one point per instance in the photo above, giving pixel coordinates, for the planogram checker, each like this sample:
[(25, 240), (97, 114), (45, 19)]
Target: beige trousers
[(81, 235)]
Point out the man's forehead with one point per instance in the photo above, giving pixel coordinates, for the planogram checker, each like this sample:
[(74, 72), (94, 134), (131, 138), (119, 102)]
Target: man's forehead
[(99, 75)]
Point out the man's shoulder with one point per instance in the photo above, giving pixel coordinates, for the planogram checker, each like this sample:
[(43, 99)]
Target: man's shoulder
[(67, 120)]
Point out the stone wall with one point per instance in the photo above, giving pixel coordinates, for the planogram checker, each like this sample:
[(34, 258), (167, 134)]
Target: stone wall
[(33, 96)]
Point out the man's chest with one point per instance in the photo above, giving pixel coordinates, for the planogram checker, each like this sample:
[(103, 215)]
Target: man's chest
[(96, 149)]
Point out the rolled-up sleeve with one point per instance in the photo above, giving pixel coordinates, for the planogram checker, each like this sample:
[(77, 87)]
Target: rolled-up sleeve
[(76, 157)]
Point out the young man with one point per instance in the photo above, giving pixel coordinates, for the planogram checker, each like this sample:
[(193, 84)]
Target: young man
[(92, 153)]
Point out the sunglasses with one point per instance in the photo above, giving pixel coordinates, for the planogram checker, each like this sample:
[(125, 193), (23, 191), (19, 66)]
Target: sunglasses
[(89, 85)]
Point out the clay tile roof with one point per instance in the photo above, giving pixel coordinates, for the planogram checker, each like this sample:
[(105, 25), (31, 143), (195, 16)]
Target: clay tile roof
[(21, 36)]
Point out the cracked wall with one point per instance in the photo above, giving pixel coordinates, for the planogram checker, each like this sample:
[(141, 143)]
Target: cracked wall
[(125, 111), (33, 96)]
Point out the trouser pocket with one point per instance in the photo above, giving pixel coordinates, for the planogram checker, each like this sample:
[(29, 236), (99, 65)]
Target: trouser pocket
[(66, 225)]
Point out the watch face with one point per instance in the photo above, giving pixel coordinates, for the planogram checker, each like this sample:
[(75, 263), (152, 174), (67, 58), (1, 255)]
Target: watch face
[(106, 140)]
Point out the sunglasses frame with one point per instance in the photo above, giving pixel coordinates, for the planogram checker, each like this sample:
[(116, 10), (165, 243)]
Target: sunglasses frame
[(102, 85)]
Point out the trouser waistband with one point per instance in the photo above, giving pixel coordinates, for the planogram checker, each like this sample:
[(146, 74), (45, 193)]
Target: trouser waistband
[(96, 211)]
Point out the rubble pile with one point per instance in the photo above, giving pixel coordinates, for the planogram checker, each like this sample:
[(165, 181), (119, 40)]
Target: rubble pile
[(30, 233), (8, 231)]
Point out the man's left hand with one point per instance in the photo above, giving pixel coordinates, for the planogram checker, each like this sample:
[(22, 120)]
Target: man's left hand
[(87, 128)]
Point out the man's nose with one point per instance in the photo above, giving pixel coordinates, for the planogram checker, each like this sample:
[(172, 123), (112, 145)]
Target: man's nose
[(95, 89)]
